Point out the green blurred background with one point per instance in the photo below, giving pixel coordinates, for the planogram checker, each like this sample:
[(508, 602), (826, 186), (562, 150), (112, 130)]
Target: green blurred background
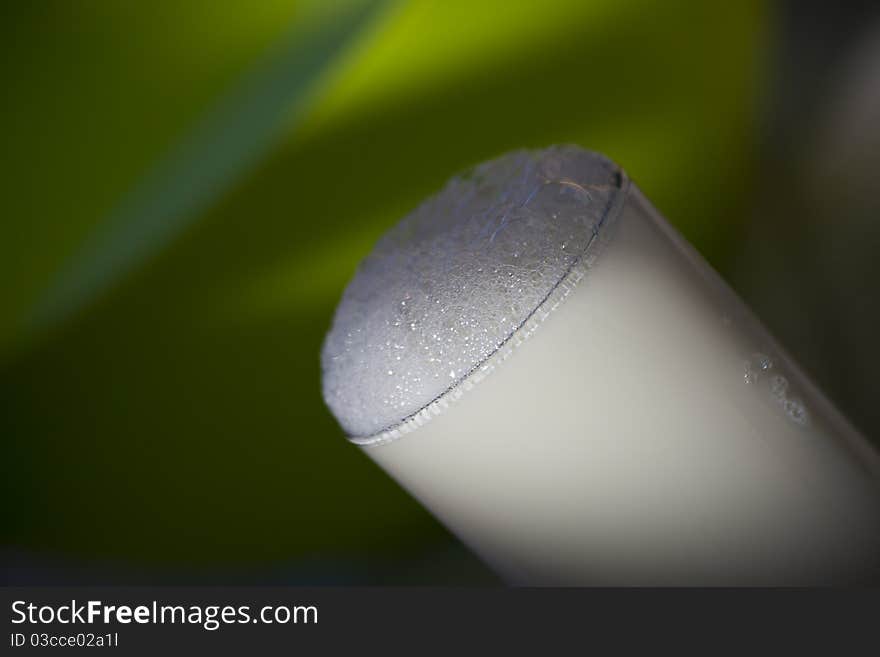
[(189, 185)]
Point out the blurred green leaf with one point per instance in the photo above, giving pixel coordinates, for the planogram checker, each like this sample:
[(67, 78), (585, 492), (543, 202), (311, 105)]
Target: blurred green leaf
[(95, 93), (225, 143)]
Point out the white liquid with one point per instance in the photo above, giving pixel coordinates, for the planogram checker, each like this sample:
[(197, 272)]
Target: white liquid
[(650, 432)]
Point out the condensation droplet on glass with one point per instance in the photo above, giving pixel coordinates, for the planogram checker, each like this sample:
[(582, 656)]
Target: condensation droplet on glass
[(779, 386), (796, 411), (763, 361)]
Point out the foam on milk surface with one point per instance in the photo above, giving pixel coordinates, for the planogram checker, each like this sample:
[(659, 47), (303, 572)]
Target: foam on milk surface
[(445, 288)]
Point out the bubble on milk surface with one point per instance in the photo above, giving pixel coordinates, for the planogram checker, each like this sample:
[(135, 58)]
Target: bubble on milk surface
[(456, 278)]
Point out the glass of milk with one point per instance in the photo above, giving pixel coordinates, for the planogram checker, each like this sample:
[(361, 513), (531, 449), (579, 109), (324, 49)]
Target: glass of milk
[(538, 357)]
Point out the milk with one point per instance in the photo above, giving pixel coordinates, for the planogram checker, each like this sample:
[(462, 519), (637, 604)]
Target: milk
[(648, 431)]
